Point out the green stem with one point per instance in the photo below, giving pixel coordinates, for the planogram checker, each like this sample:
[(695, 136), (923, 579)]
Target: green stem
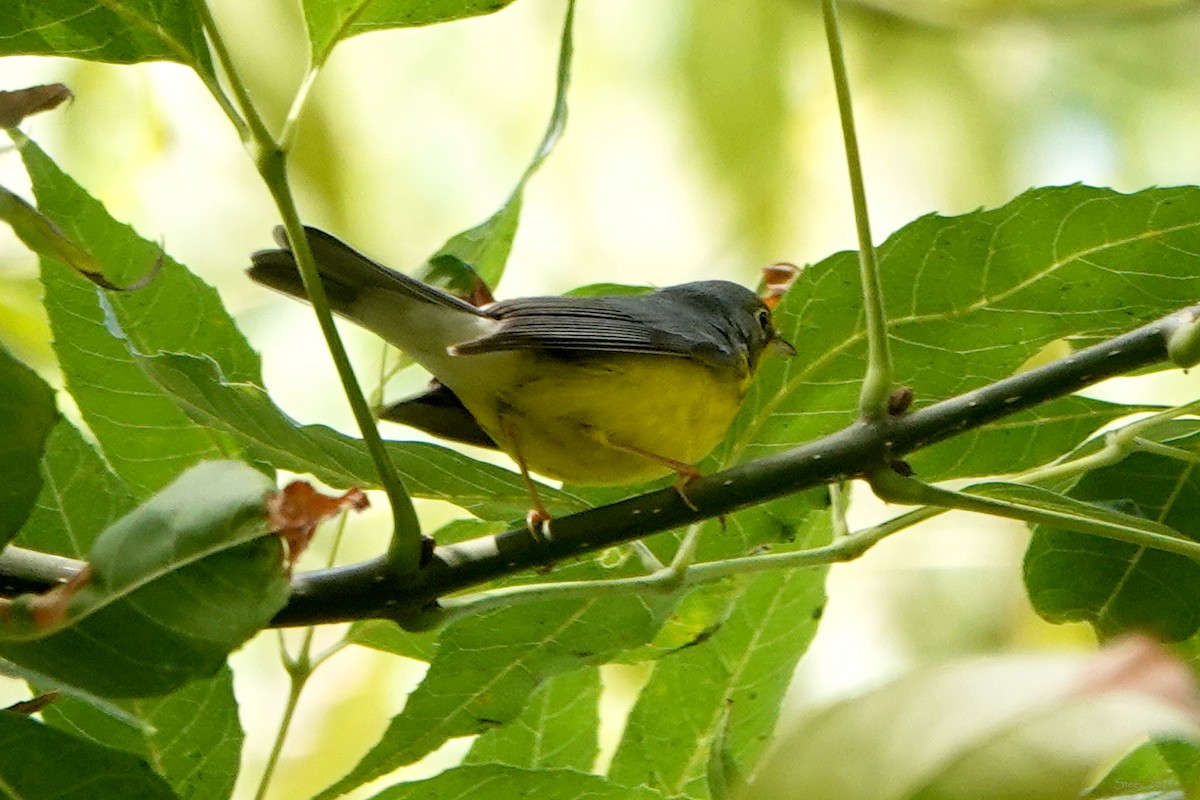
[(650, 562), (231, 112), (839, 499), (1113, 451), (251, 128), (672, 579), (1167, 451), (877, 383), (1118, 444), (685, 556), (296, 687), (210, 81), (288, 132), (405, 549), (299, 669), (895, 488)]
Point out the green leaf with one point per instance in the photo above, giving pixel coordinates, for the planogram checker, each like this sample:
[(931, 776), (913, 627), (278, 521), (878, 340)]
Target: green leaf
[(486, 247), (331, 21), (45, 683), (1052, 264), (80, 496), (1036, 436), (487, 666), (1183, 758), (497, 782), (27, 414), (478, 254), (245, 412), (746, 666), (601, 289), (192, 736), (41, 235), (388, 637), (777, 525), (557, 729), (1006, 728), (145, 438), (126, 32), (176, 584), (38, 761), (1115, 586), (1142, 771)]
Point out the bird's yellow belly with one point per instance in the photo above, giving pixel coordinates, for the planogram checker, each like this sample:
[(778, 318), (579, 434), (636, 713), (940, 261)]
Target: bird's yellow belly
[(590, 422)]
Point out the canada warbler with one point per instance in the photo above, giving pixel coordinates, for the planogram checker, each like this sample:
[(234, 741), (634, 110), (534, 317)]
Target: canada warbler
[(592, 390)]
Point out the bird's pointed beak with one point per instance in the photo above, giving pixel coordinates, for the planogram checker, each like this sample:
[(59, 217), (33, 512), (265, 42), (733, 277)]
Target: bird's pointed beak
[(782, 346)]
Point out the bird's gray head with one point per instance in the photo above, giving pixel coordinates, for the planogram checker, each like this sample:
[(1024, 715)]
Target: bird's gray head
[(738, 316)]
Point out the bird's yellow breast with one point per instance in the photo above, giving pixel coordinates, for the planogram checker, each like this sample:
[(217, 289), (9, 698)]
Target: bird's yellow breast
[(581, 420)]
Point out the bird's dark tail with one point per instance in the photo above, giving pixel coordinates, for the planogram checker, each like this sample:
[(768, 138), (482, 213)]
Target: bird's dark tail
[(345, 273)]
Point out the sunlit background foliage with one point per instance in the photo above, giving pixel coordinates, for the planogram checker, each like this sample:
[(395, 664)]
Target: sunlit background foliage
[(702, 142)]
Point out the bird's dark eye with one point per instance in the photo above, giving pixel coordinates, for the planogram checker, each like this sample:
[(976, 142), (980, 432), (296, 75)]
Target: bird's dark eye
[(764, 319)]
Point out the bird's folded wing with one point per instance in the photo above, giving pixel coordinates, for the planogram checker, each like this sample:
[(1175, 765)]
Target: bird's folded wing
[(573, 324)]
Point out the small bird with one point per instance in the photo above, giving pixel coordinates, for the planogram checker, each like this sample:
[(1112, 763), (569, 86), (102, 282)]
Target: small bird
[(590, 390)]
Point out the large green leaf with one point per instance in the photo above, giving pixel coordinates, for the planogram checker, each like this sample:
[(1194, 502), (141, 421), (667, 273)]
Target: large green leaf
[(557, 729), (497, 782), (746, 666), (1140, 773), (27, 414), (38, 761), (192, 737), (1119, 587), (145, 438), (486, 667), (1011, 728), (244, 411), (1036, 436), (331, 21), (388, 637), (970, 299), (45, 683), (142, 433), (123, 32), (176, 584), (80, 496)]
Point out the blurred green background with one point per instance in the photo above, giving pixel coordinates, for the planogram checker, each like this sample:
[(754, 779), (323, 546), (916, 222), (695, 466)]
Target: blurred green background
[(702, 141)]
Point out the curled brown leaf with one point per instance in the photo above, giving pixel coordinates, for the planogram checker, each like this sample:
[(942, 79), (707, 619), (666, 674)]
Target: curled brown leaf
[(49, 610), (294, 513), (34, 704), (16, 105), (777, 279)]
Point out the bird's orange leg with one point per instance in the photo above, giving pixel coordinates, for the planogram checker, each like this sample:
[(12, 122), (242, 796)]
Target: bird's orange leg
[(685, 473), (538, 518)]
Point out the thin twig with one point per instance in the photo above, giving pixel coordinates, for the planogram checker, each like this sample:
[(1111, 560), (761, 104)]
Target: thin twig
[(877, 382)]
